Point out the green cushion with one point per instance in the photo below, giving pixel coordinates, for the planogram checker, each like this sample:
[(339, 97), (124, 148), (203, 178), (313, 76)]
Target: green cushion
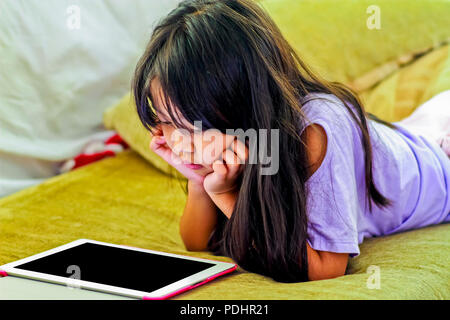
[(333, 36), (402, 92)]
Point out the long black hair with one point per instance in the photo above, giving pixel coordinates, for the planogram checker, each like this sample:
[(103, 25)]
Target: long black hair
[(225, 62)]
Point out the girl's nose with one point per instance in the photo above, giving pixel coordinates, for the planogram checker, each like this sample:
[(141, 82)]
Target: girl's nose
[(182, 146), (186, 151), (187, 157)]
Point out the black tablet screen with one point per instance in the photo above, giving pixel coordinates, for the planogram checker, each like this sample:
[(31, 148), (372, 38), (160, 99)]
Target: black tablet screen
[(116, 267)]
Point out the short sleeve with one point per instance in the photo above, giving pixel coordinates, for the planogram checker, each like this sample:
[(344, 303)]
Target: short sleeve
[(332, 191)]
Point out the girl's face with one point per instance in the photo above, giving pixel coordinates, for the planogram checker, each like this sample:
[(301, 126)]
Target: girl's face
[(199, 147)]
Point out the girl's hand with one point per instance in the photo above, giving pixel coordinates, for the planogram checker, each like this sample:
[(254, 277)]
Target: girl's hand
[(227, 169), (159, 146)]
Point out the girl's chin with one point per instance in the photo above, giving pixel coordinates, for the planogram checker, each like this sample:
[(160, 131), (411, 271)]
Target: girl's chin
[(205, 170)]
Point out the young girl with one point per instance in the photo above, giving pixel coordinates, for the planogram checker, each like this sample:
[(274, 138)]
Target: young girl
[(343, 174)]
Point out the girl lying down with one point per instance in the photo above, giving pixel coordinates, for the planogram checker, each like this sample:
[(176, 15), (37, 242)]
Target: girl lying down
[(323, 175)]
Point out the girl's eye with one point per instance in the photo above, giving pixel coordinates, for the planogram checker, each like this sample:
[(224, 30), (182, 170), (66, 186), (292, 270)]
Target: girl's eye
[(163, 122)]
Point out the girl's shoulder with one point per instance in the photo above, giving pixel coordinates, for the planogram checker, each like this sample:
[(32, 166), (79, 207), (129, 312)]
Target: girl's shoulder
[(328, 111), (319, 105), (315, 139), (337, 143), (331, 113)]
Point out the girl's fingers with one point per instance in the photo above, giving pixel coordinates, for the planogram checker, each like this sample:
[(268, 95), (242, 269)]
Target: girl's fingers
[(153, 145), (160, 139), (240, 149), (157, 142), (231, 160), (229, 140), (220, 168), (216, 142), (159, 146)]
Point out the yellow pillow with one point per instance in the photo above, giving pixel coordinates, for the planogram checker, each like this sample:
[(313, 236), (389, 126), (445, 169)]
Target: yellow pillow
[(402, 92), (342, 42), (124, 119)]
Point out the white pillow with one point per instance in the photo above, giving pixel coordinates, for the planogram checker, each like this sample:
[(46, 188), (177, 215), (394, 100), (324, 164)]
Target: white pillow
[(62, 63)]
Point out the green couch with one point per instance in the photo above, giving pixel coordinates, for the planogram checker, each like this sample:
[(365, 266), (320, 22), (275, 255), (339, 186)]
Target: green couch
[(134, 199)]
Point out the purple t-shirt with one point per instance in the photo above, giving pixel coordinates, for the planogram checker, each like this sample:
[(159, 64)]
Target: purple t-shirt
[(409, 169)]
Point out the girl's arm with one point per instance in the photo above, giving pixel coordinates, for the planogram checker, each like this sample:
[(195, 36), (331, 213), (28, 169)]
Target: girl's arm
[(325, 265), (199, 218), (200, 214), (221, 185), (225, 201), (321, 264)]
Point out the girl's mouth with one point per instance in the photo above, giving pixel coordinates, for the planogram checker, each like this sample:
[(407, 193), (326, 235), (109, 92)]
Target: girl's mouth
[(193, 166)]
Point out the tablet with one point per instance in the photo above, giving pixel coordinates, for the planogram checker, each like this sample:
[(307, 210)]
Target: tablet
[(118, 269)]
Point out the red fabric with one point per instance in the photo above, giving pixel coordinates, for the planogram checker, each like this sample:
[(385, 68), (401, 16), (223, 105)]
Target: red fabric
[(84, 159), (117, 139)]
